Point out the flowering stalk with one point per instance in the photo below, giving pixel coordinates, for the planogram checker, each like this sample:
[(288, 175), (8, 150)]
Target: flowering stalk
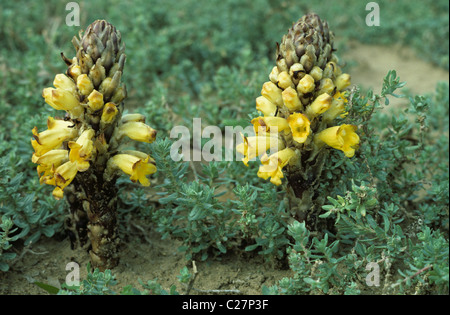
[(305, 95), (81, 154)]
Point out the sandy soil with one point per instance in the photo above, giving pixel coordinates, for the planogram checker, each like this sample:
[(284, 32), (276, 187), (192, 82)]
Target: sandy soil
[(149, 258)]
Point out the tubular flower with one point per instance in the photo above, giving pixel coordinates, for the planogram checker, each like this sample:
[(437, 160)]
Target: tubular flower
[(62, 100), (137, 168), (272, 165), (138, 131), (58, 131), (300, 127), (265, 106), (266, 124), (342, 138), (252, 147), (81, 150), (305, 95), (48, 162)]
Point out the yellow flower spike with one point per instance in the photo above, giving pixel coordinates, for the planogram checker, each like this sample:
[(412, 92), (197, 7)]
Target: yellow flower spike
[(326, 86), (272, 165), (84, 84), (306, 84), (337, 107), (252, 147), (272, 93), (265, 124), (81, 150), (265, 106), (109, 113), (291, 100), (137, 168), (61, 99), (317, 73), (64, 175), (63, 82), (342, 138), (320, 105), (273, 76), (284, 80), (300, 127), (58, 131), (95, 100), (343, 81), (138, 131)]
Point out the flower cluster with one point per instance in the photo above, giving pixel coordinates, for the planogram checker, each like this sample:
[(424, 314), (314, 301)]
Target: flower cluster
[(93, 130), (304, 96)]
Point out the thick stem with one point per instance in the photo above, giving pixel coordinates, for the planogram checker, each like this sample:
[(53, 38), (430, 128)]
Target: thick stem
[(305, 199), (97, 200)]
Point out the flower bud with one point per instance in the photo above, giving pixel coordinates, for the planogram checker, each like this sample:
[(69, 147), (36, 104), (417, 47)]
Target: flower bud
[(265, 106), (306, 85), (272, 93), (291, 100), (138, 131), (84, 84)]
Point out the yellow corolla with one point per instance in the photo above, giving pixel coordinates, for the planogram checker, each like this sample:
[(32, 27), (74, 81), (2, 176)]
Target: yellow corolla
[(252, 147), (272, 165), (342, 138), (263, 125), (58, 131), (64, 175), (300, 127), (137, 167), (48, 163), (138, 131), (81, 150)]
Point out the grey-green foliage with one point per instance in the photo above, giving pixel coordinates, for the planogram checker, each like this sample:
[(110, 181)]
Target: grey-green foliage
[(96, 283), (103, 283), (6, 228), (32, 215), (251, 218)]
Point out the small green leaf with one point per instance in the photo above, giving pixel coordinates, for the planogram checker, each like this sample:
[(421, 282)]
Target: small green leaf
[(49, 288)]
